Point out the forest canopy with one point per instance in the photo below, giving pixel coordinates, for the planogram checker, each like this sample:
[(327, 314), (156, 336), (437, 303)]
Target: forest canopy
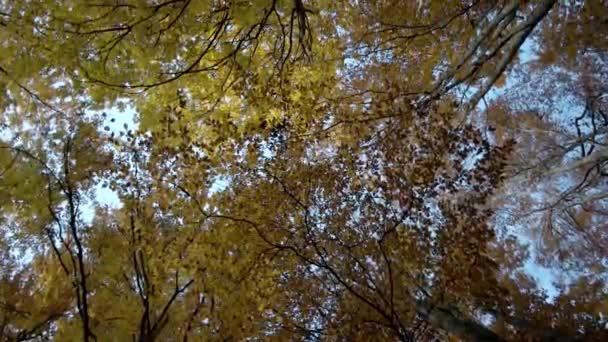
[(303, 170)]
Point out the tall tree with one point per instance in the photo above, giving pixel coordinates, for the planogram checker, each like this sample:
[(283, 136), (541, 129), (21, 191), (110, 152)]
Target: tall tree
[(300, 170)]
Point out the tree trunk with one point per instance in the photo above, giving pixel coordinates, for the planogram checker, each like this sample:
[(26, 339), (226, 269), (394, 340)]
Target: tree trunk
[(465, 329)]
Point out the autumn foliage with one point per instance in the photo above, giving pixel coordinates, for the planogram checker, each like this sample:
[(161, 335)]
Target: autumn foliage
[(287, 170)]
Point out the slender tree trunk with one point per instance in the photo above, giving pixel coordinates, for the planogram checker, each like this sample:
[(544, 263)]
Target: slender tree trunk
[(463, 328)]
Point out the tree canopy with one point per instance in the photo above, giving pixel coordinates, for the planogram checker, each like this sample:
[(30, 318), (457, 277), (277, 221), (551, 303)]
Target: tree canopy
[(303, 170)]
